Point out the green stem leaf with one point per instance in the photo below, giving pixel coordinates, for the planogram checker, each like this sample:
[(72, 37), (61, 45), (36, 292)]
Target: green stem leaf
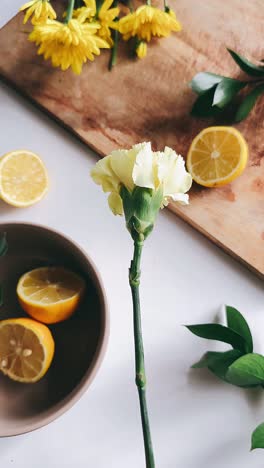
[(213, 357), (218, 362), (202, 107), (257, 439), (245, 65), (247, 371), (226, 90), (215, 331), (204, 81), (238, 323), (248, 103)]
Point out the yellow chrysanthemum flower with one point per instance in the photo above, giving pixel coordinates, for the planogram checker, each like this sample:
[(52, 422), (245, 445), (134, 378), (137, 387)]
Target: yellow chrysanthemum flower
[(141, 49), (105, 17), (40, 10), (68, 45), (86, 12), (148, 21)]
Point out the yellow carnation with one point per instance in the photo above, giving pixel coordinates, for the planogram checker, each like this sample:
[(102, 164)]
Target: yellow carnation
[(141, 167)]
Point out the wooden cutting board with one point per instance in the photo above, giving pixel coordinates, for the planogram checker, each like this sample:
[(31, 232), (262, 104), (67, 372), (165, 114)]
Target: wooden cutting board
[(151, 100)]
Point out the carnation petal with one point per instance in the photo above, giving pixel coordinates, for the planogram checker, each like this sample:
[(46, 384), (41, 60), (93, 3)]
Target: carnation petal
[(103, 175), (143, 172), (122, 163), (181, 198), (115, 203), (172, 173)]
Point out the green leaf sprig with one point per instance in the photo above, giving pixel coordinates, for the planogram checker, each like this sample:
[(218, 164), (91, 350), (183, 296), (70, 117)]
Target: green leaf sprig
[(217, 92), (238, 366), (3, 251)]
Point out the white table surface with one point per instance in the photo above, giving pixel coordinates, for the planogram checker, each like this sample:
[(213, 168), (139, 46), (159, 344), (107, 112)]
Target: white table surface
[(197, 421)]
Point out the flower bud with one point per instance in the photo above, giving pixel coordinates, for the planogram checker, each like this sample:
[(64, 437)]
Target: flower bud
[(141, 207)]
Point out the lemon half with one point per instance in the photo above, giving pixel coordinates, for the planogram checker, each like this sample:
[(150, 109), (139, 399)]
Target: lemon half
[(26, 349), (217, 156), (50, 294), (23, 178)]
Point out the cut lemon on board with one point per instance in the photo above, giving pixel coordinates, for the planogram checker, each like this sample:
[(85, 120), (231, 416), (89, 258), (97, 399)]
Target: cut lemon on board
[(26, 349), (23, 178), (50, 294), (217, 156)]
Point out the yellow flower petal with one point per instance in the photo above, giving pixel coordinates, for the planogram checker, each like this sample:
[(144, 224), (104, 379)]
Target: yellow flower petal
[(40, 10), (172, 174), (115, 203), (143, 170), (26, 5), (103, 175), (67, 45), (122, 164), (105, 6), (148, 21), (141, 50)]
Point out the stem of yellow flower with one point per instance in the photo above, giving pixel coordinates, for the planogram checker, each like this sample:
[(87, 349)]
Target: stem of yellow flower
[(69, 11), (113, 58), (115, 38), (166, 8), (148, 2), (99, 4)]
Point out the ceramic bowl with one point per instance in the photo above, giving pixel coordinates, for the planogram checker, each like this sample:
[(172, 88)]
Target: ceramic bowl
[(80, 341)]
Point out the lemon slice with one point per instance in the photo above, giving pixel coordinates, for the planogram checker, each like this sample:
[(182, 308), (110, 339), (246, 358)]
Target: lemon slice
[(217, 156), (50, 294), (23, 178), (26, 349)]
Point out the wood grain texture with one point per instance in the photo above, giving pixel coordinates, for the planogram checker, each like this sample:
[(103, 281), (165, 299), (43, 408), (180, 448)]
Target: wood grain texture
[(151, 100)]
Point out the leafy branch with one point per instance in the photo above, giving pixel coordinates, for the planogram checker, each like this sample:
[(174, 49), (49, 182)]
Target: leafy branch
[(3, 251), (217, 92), (239, 366)]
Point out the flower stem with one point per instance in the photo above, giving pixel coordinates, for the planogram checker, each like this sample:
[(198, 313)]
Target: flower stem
[(115, 34), (69, 11), (113, 57), (134, 281), (148, 2), (166, 8)]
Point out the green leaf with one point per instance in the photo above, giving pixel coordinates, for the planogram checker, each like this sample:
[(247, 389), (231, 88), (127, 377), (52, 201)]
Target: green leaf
[(245, 65), (206, 359), (215, 331), (257, 438), (218, 362), (203, 105), (248, 103), (220, 366), (247, 371), (237, 322), (212, 357), (226, 91), (204, 81), (3, 245)]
